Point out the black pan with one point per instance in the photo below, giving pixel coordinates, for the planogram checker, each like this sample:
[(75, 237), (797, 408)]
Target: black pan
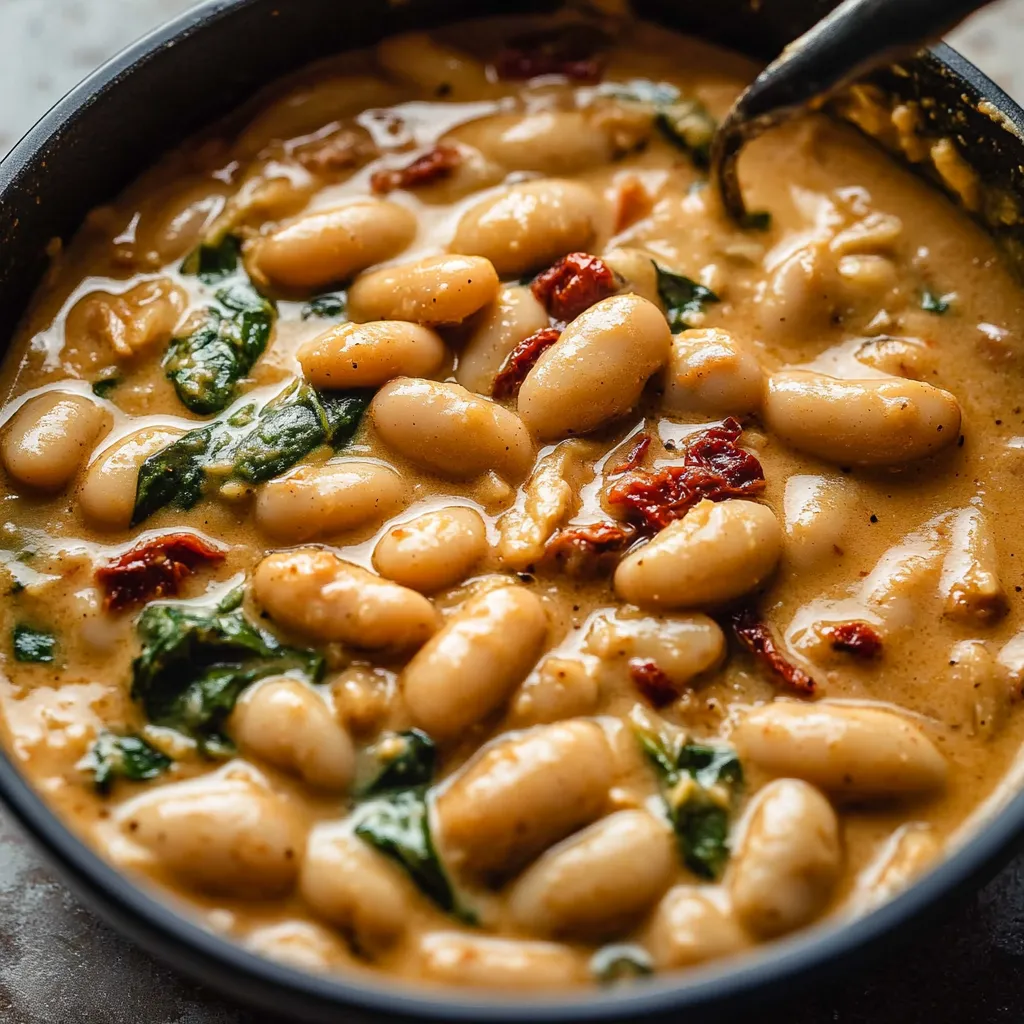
[(197, 68)]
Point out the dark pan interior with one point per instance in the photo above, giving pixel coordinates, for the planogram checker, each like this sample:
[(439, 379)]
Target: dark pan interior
[(199, 68)]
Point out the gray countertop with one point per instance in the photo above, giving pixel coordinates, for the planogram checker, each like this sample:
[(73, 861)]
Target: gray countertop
[(60, 965)]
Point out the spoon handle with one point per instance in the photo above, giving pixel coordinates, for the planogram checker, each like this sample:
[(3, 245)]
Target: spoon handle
[(856, 37)]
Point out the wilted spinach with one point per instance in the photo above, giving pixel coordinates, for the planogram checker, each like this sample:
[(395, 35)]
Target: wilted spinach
[(326, 307), (402, 760), (682, 297), (127, 757), (195, 663), (253, 444), (398, 825), (685, 122), (396, 818), (932, 303), (102, 387), (33, 645), (206, 364), (213, 261), (699, 785)]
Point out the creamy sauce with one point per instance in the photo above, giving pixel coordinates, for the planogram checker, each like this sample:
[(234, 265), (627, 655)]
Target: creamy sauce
[(923, 550)]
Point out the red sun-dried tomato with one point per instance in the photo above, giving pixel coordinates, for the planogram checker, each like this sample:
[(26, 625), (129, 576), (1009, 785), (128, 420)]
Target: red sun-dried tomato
[(856, 638), (439, 163), (520, 360), (574, 51), (581, 550), (754, 633), (574, 284), (714, 467), (634, 456), (154, 568), (654, 685)]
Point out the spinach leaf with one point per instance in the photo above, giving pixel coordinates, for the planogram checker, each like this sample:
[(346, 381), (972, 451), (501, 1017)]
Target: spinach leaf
[(757, 220), (104, 386), (127, 757), (205, 365), (33, 645), (213, 262), (253, 444), (292, 425), (682, 297), (195, 663), (699, 784), (326, 307), (401, 760), (685, 122), (614, 964), (937, 304), (642, 91), (398, 825), (688, 126)]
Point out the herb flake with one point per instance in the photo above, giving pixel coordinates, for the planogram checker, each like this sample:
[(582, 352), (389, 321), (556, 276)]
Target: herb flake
[(682, 297), (325, 307), (937, 304), (404, 760), (127, 757), (33, 645)]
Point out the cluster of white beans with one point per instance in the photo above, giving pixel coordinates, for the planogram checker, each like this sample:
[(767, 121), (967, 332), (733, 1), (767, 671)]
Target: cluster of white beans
[(446, 615)]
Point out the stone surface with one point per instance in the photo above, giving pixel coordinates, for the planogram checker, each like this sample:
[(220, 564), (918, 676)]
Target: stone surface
[(59, 965)]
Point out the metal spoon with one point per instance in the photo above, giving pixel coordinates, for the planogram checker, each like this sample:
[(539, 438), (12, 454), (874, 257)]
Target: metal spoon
[(858, 36)]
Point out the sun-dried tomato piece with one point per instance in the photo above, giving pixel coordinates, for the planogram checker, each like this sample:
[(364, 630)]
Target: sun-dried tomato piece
[(856, 638), (754, 633), (574, 284), (634, 456), (654, 685), (439, 163), (574, 51), (714, 467), (635, 203), (520, 360), (583, 550), (154, 568)]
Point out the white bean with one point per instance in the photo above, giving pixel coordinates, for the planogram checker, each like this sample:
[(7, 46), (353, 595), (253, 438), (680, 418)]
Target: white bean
[(910, 852), (597, 369), (48, 440), (710, 373), (435, 290), (559, 688), (848, 751), (682, 646), (319, 501), (445, 428), (547, 141), (434, 550), (637, 270), (520, 795), (351, 886), (287, 723), (868, 422), (316, 593), (528, 226), (301, 944), (716, 552), (329, 246), (548, 498), (476, 961), (470, 667), (435, 68), (597, 882), (511, 318), (107, 494), (691, 926), (221, 834), (789, 861), (368, 355), (970, 571)]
